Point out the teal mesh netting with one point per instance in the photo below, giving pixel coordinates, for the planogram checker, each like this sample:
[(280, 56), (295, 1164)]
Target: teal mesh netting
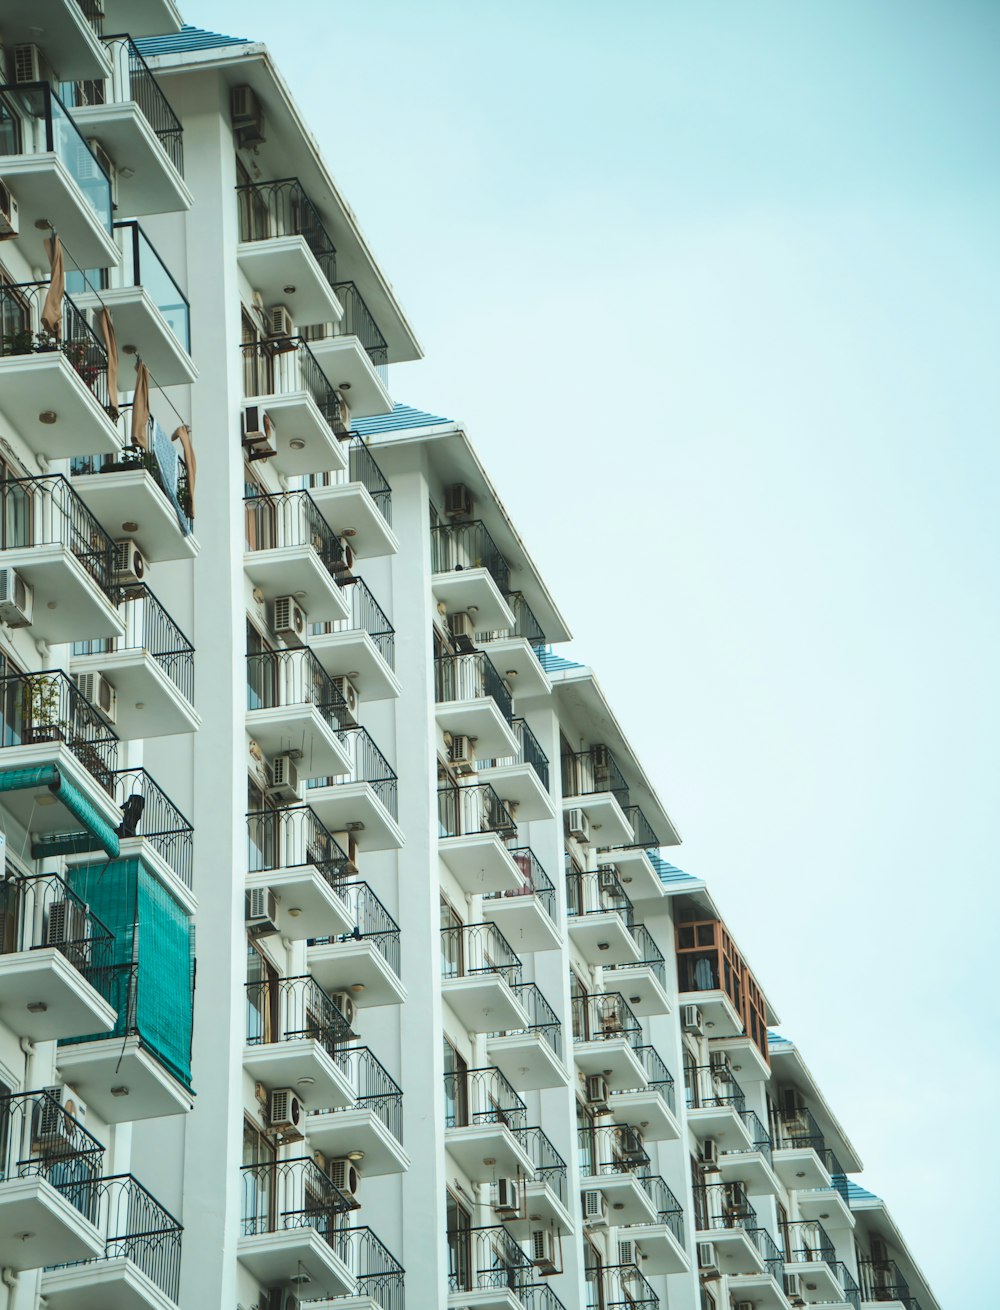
[(151, 981)]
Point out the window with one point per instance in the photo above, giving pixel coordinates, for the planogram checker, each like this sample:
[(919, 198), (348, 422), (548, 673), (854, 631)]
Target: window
[(456, 1088), (258, 1181), (262, 671), (459, 1246), (593, 1276), (586, 1141), (261, 997), (452, 942), (580, 1008)]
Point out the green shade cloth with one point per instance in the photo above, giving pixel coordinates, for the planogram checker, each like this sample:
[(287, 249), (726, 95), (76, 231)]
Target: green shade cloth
[(47, 775)]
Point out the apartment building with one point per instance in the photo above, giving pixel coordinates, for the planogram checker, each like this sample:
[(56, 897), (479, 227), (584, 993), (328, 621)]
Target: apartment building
[(341, 964)]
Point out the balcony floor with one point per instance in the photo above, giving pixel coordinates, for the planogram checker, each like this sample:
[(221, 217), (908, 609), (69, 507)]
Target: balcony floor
[(299, 728), (628, 1202), (527, 1061), (155, 186), (356, 802), (307, 905), (542, 1206), (149, 703), (483, 1003), (637, 875), (718, 1012), (614, 1058), (351, 964), (299, 1253), (142, 17), (761, 1289), (357, 1129), (485, 1298), (278, 262), (301, 1063), (608, 824), (516, 655), (661, 1251), (646, 1110), (520, 785), (817, 1282), (473, 1145), (752, 1168), (115, 1284), (353, 654), (68, 604), (480, 863), (735, 1252), (138, 323), (71, 44), (523, 920), (72, 1007), (45, 190), (721, 1123), (641, 988), (481, 719), (349, 508), (603, 938), (296, 417), (94, 1068), (58, 1231), (800, 1168), (288, 570), (473, 589), (35, 810), (344, 359), (30, 384), (131, 496)]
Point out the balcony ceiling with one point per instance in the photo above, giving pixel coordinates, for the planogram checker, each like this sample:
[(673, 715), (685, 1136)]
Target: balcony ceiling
[(71, 44), (46, 193), (33, 384), (141, 326), (147, 181)]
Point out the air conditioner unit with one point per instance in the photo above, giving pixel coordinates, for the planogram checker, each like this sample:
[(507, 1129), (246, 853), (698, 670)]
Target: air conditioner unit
[(52, 1129), (458, 500), (9, 222), (735, 1196), (247, 115), (720, 1064), (288, 619), (544, 1255), (15, 599), (343, 415), (692, 1021), (463, 629), (67, 928), (706, 1258), (630, 1148), (578, 825), (70, 1102), (462, 753), (106, 165), (607, 881), (345, 1177), (94, 687), (258, 433), (260, 911), (348, 552), (508, 1197), (30, 64), (793, 1288), (347, 1006), (595, 1212), (743, 1305), (283, 783), (280, 322), (628, 1252), (710, 1152), (130, 563), (597, 1092), (284, 1113), (349, 692)]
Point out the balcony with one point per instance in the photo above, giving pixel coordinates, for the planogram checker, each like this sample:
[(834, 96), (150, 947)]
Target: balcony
[(485, 1120), (283, 377), (291, 1228), (530, 1054), (751, 1164), (283, 244), (522, 779), (294, 1035), (377, 1275), (516, 649), (293, 854), (362, 801), (291, 550), (635, 859), (471, 699), (883, 1284), (653, 1107), (527, 914), (766, 1289), (613, 1164), (600, 918), (70, 372), (53, 957), (716, 1105), (55, 178), (709, 975), (140, 1268), (150, 666), (545, 1189), (798, 1150), (620, 1287), (479, 972), (470, 575), (69, 30), (142, 17), (593, 782), (811, 1258), (358, 500), (365, 960), (607, 1039), (473, 825), (644, 983), (724, 1217), (487, 1270), (661, 1243), (370, 1128), (362, 647), (293, 705), (833, 1200), (354, 355), (50, 1168)]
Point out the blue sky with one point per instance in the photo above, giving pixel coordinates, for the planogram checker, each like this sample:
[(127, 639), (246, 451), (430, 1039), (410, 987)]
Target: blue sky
[(715, 288)]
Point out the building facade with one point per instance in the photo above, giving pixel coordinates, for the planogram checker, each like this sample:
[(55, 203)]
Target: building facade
[(340, 962)]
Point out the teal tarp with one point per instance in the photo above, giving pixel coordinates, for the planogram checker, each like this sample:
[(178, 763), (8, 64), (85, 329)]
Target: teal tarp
[(47, 775)]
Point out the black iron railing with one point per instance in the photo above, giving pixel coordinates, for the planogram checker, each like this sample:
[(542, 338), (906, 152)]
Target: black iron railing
[(808, 1242), (291, 1010), (612, 1149), (132, 79), (22, 333), (542, 1019), (358, 322), (525, 623), (838, 1179), (852, 1292), (170, 475), (368, 616), (473, 676), (374, 1088), (540, 1296), (284, 1194), (600, 892), (797, 1130), (621, 1287), (280, 209), (718, 1206), (148, 812), (372, 923), (291, 838), (46, 511), (465, 811), (292, 518), (93, 12), (41, 912), (669, 1210), (363, 469), (760, 1138), (605, 1017), (650, 955), (142, 266), (709, 1086), (536, 881), (482, 1096), (39, 1139), (550, 1167), (49, 707), (593, 772), (478, 948), (883, 1280), (279, 366), (659, 1077), (294, 677), (529, 750), (378, 1275), (643, 836), (456, 547), (770, 1252), (369, 765), (148, 627), (485, 1258)]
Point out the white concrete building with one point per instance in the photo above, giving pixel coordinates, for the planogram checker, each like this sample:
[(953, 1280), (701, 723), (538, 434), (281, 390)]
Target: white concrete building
[(336, 936)]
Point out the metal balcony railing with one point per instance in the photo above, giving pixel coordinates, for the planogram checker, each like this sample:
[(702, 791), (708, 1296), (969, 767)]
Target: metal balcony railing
[(643, 836), (770, 1252), (540, 1296), (292, 518), (525, 623), (358, 322), (536, 882), (550, 1167), (651, 957), (593, 772), (611, 1149), (372, 923), (660, 1079), (143, 267), (363, 469), (39, 1139), (542, 1019), (852, 1293), (478, 948), (41, 911), (160, 459), (600, 892), (669, 1210), (605, 1017), (93, 12), (529, 750), (279, 1195), (136, 1227), (291, 838), (797, 1130), (808, 1242), (49, 707), (760, 1138), (368, 765), (149, 813), (294, 1009), (149, 628), (470, 677), (838, 1179), (294, 677), (723, 1205), (280, 366), (709, 1086), (34, 121), (132, 80), (620, 1287), (368, 616), (374, 1088), (884, 1281), (486, 1258), (379, 1277), (482, 1096), (456, 547), (281, 209), (467, 810), (46, 511)]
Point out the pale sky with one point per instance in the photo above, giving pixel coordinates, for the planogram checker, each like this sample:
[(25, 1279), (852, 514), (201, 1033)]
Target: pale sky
[(714, 286)]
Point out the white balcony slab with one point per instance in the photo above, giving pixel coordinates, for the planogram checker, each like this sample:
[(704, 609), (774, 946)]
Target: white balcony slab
[(527, 1061), (751, 1168), (718, 1012), (32, 384), (603, 938), (473, 1145), (660, 1251), (279, 262), (614, 1058), (107, 1284), (71, 44), (608, 823), (357, 967), (131, 496), (800, 1168), (302, 1063), (44, 997), (745, 1056), (345, 361), (721, 1124), (627, 1200), (353, 654), (99, 1070), (473, 590), (68, 604), (482, 720), (735, 1252), (346, 803), (297, 571), (523, 920), (38, 1226), (818, 1284), (516, 659), (349, 509), (520, 785), (296, 1253), (645, 1109), (34, 808), (485, 1298), (637, 875), (299, 727), (480, 863), (827, 1205), (307, 905), (297, 418), (148, 182), (142, 17), (542, 1205), (642, 989), (760, 1289), (149, 703), (483, 1003), (46, 192), (139, 324), (339, 1133)]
